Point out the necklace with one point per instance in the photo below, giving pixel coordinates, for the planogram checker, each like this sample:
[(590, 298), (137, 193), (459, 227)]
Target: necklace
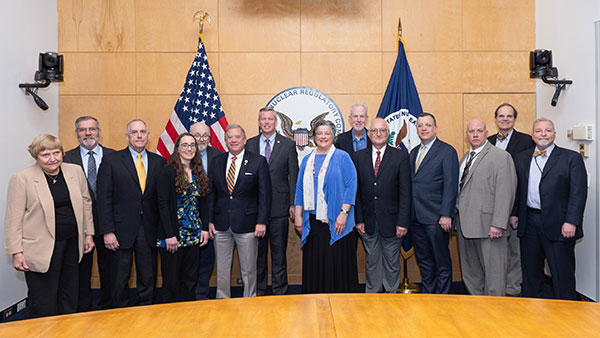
[(53, 178)]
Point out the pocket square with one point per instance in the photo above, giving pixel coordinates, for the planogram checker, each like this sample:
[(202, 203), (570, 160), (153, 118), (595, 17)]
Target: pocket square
[(248, 174)]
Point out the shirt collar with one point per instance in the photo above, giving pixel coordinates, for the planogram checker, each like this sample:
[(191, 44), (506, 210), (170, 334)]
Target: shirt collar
[(428, 144), (239, 156), (548, 150), (271, 139), (96, 150), (478, 150), (134, 153), (382, 150)]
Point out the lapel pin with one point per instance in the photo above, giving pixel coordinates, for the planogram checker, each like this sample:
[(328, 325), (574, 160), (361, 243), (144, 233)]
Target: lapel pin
[(245, 162), (278, 141)]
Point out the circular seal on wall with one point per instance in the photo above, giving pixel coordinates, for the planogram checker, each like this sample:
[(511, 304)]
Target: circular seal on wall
[(298, 110), (403, 130)]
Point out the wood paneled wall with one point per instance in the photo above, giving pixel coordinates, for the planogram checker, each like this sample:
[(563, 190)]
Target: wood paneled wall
[(128, 59)]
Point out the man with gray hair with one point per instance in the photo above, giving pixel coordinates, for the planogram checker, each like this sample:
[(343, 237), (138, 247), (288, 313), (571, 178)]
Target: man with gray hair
[(356, 138), (239, 209), (89, 155)]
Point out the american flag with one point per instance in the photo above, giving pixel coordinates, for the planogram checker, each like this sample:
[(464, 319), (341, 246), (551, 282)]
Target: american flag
[(198, 102)]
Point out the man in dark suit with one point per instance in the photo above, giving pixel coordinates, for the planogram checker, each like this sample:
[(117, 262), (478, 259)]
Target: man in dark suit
[(128, 212), (434, 168), (90, 152), (549, 209), (239, 209), (382, 208), (356, 138), (513, 142), (201, 133), (280, 153)]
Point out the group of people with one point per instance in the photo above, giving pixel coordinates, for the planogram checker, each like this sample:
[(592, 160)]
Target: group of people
[(195, 209)]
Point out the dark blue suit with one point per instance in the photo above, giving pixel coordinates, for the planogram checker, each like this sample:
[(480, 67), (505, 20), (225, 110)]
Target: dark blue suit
[(563, 193), (345, 142), (434, 191)]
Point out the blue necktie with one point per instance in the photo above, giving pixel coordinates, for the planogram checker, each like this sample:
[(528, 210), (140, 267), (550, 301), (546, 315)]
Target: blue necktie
[(92, 174)]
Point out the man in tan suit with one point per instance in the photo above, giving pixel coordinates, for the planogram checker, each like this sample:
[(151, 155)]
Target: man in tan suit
[(487, 186)]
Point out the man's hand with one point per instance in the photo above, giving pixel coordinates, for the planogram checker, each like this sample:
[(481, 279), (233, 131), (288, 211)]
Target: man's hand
[(514, 222), (211, 230), (494, 232), (204, 236), (446, 223), (171, 244), (110, 241), (89, 244), (360, 228), (19, 262), (292, 212), (260, 230), (401, 231), (568, 230)]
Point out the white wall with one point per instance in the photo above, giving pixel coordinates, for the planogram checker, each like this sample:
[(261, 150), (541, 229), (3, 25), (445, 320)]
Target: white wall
[(567, 28), (26, 29)]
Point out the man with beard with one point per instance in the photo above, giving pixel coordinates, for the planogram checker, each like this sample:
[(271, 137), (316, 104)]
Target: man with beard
[(89, 155), (356, 138)]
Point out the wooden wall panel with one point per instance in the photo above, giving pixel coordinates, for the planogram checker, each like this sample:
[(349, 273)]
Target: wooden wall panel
[(497, 72), (340, 73), (98, 74), (163, 73)]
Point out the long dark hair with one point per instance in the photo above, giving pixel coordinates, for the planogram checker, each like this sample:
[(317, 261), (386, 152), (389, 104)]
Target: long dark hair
[(181, 180)]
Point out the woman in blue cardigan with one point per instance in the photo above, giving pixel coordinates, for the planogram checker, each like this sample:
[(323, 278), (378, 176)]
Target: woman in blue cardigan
[(325, 194)]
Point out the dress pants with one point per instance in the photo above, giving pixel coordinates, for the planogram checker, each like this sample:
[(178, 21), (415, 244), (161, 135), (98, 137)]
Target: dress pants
[(55, 292), (535, 246), (179, 273), (207, 263), (433, 256), (277, 235), (382, 262), (85, 275), (514, 276), (483, 263), (145, 268), (247, 245)]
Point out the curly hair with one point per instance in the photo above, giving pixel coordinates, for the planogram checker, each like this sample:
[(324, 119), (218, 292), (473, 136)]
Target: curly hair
[(181, 179)]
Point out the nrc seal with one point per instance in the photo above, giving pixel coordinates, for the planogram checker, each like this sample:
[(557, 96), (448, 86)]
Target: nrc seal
[(403, 130), (298, 110)]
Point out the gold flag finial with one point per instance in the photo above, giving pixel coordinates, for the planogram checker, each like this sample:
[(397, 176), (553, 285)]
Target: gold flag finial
[(399, 27), (201, 16)]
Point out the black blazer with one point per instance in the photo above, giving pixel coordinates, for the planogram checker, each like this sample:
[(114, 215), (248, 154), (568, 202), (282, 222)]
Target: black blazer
[(250, 203), (435, 184), (283, 167), (383, 200), (563, 192), (121, 205), (344, 142), (211, 153), (167, 204), (74, 156), (518, 142)]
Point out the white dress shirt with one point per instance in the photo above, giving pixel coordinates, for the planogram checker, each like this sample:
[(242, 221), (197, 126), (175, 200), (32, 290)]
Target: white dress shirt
[(85, 157), (381, 152), (536, 168), (238, 164)]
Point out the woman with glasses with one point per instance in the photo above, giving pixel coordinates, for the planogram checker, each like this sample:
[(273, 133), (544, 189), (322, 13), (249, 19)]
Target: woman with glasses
[(182, 187)]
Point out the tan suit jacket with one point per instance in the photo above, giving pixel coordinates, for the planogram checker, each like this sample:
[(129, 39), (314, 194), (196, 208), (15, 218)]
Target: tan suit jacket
[(488, 192), (29, 221)]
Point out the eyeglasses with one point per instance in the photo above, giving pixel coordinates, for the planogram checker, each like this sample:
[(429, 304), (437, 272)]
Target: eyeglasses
[(188, 145), (380, 130), (202, 137), (91, 130)]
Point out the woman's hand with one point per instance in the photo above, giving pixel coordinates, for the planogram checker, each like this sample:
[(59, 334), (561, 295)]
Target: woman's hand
[(171, 244), (89, 244), (340, 223), (204, 237), (19, 262)]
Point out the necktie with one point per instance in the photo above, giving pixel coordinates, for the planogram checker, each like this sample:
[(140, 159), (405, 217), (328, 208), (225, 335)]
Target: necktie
[(91, 170), (268, 149), (467, 166), (420, 159), (377, 162), (539, 153), (501, 137), (231, 176), (141, 172)]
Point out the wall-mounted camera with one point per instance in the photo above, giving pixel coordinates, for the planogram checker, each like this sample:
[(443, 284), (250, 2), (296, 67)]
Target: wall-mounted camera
[(540, 66), (50, 70)]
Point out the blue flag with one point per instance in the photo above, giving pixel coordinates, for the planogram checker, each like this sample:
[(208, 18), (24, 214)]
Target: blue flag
[(400, 107)]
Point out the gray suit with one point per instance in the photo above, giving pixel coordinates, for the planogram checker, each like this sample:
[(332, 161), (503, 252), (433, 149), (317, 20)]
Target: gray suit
[(485, 200), (283, 169)]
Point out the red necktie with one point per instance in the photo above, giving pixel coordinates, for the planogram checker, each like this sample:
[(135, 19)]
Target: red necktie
[(377, 162)]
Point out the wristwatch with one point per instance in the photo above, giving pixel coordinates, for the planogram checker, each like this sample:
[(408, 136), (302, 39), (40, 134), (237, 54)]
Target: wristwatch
[(344, 211)]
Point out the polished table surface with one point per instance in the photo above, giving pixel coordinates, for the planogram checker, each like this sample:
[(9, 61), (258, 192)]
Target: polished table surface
[(329, 315)]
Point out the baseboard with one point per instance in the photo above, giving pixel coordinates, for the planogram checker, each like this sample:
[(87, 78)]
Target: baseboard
[(13, 310)]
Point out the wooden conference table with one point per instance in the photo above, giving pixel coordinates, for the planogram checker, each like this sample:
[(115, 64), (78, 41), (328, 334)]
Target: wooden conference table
[(329, 315)]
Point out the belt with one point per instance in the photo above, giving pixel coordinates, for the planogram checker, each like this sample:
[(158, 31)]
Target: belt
[(534, 210)]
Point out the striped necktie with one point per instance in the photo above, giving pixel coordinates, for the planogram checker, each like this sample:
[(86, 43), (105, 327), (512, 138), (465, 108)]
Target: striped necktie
[(231, 176)]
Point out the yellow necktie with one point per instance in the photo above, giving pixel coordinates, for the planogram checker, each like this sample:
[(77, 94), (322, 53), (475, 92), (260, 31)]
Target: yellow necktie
[(141, 172), (420, 159), (231, 176)]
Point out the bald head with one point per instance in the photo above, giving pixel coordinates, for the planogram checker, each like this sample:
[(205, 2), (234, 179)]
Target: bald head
[(201, 133), (476, 133), (379, 132)]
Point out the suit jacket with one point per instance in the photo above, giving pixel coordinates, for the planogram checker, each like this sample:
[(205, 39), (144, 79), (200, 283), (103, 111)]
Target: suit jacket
[(167, 204), (74, 156), (435, 184), (211, 153), (283, 167), (29, 220), (344, 141), (250, 203), (383, 200), (488, 192), (563, 192), (518, 142), (122, 207)]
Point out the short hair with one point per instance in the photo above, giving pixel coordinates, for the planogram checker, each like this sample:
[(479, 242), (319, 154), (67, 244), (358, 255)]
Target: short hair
[(235, 126), (136, 120), (44, 142), (542, 119), (267, 109), (360, 104), (85, 118), (425, 114), (515, 113), (324, 123)]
